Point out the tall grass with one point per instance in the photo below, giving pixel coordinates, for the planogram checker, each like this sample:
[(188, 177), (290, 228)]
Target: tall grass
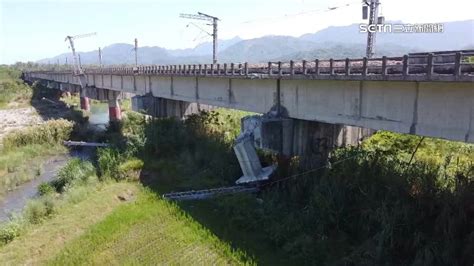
[(51, 132), (75, 171), (22, 164), (370, 207)]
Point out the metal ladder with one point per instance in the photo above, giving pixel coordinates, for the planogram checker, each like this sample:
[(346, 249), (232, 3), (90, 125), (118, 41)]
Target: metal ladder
[(209, 193)]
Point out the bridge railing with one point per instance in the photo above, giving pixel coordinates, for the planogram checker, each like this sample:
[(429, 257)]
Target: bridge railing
[(447, 65)]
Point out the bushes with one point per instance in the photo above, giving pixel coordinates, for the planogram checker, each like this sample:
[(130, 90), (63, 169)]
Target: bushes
[(51, 132), (9, 231), (45, 188), (76, 171), (12, 88), (38, 210), (108, 161), (130, 169), (367, 210), (119, 166)]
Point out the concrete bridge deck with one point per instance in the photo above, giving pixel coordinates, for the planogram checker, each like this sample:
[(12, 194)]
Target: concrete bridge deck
[(429, 94)]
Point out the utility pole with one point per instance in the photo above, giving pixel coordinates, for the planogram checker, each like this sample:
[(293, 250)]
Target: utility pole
[(214, 40), (202, 16), (373, 6), (100, 57), (80, 64), (136, 52), (85, 103), (66, 60), (78, 69)]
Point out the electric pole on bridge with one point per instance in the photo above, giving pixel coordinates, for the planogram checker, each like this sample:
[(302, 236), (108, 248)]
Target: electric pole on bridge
[(85, 104), (202, 16), (373, 6), (77, 65), (100, 57), (136, 52)]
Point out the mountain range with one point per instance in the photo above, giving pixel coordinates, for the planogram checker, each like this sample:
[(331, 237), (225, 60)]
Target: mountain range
[(335, 42)]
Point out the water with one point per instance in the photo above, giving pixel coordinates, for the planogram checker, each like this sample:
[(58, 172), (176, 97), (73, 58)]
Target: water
[(99, 115), (15, 200)]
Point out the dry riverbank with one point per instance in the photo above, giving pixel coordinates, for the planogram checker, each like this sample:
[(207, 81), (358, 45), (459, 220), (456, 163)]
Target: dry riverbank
[(14, 119)]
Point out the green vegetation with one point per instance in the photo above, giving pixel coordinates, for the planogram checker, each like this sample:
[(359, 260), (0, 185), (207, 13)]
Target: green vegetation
[(374, 204), (75, 171), (123, 236), (13, 91), (148, 231), (24, 151), (23, 164), (395, 200), (51, 132), (74, 181), (35, 244)]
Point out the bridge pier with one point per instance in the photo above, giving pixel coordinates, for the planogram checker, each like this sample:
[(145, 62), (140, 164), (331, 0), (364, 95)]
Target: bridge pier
[(311, 141), (115, 113), (84, 100), (161, 107)]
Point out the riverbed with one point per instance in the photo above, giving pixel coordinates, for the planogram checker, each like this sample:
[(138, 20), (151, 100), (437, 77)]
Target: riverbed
[(15, 200)]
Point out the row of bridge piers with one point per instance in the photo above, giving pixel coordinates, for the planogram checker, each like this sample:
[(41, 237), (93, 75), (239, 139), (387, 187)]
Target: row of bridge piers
[(87, 94)]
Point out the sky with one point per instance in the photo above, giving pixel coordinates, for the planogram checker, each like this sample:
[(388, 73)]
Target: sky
[(31, 30)]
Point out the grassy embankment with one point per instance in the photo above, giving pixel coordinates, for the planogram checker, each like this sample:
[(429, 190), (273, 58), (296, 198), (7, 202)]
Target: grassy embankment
[(79, 220), (374, 204)]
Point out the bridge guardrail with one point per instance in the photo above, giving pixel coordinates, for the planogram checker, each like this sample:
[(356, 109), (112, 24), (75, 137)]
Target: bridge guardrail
[(444, 65)]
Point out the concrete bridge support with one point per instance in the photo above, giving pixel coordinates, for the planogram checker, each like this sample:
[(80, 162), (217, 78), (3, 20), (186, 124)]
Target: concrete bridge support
[(84, 100), (311, 141), (161, 107), (115, 113)]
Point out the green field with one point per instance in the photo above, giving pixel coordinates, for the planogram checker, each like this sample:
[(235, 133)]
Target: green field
[(148, 231), (105, 230)]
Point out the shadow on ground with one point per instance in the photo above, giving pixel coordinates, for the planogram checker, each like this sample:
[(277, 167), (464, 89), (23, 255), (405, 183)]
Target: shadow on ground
[(182, 156)]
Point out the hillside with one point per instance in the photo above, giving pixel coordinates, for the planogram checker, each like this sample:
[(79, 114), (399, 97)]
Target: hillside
[(456, 35)]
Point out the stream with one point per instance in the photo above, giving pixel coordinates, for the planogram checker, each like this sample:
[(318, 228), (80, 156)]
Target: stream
[(99, 115), (15, 200)]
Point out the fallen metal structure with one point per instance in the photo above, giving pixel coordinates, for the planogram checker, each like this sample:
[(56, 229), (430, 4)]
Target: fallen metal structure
[(84, 144), (209, 193)]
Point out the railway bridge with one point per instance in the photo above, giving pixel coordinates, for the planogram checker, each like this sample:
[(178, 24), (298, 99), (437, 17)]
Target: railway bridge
[(310, 106)]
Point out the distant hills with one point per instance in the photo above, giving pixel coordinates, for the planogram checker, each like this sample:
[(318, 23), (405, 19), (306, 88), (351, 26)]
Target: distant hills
[(335, 42)]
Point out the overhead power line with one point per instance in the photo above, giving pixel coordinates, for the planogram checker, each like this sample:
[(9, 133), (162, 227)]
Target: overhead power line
[(206, 17), (286, 16)]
